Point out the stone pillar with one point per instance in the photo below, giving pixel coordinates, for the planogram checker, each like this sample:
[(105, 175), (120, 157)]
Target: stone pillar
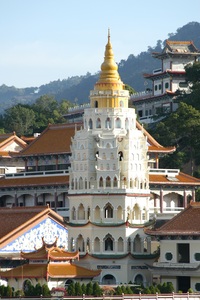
[(184, 199), (35, 199), (193, 194), (161, 200), (56, 199), (16, 199)]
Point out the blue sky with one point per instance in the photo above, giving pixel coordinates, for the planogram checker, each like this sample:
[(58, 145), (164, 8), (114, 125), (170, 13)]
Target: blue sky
[(47, 40)]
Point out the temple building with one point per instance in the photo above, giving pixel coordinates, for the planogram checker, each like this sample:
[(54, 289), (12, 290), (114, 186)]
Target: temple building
[(49, 264), (109, 184), (179, 261), (101, 175), (166, 82), (11, 144)]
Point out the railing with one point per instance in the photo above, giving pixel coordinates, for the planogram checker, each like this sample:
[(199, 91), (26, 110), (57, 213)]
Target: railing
[(38, 173), (164, 171), (177, 296)]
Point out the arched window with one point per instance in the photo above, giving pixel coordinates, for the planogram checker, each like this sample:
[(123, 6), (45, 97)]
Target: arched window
[(120, 155), (80, 243), (72, 184), (101, 182), (68, 282), (137, 244), (108, 181), (108, 211), (108, 243), (138, 279), (109, 279), (27, 285), (81, 212), (108, 123), (88, 245), (118, 123), (98, 123), (90, 124), (115, 182), (88, 213), (96, 104)]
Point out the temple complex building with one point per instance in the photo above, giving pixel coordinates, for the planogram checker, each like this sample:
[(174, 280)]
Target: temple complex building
[(179, 250), (167, 81), (101, 175)]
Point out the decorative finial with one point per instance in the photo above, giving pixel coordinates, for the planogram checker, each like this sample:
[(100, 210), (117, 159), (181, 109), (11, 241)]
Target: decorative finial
[(108, 34)]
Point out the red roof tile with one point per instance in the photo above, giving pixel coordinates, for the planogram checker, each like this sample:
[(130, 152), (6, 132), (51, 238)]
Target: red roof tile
[(54, 139), (186, 222), (15, 220), (179, 179), (33, 181)]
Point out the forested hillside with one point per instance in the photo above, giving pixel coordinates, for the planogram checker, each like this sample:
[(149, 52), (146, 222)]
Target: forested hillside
[(76, 89)]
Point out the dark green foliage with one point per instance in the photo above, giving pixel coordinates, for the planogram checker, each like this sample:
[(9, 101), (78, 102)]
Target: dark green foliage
[(78, 289), (27, 119), (96, 289), (89, 288), (45, 291), (118, 290), (20, 119), (71, 289), (83, 287), (181, 129)]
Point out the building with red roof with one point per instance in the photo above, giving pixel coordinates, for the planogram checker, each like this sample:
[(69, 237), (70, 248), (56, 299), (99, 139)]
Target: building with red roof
[(166, 81), (179, 260)]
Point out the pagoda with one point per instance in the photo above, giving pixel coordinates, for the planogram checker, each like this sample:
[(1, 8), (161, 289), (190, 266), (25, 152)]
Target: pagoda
[(109, 184)]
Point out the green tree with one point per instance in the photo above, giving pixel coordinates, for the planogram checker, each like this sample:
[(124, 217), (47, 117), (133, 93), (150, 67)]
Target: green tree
[(45, 109), (96, 289), (182, 129), (193, 81), (45, 292), (71, 289), (89, 288), (118, 290), (83, 287), (20, 119), (78, 290), (38, 289), (29, 289)]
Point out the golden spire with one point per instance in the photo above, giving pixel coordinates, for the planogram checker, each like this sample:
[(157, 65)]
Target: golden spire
[(109, 69)]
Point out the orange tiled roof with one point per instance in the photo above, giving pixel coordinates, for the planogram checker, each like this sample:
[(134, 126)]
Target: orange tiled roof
[(70, 271), (33, 181), (186, 222), (41, 253), (8, 139), (54, 253), (154, 146), (54, 139), (59, 270), (60, 254), (14, 221), (26, 271), (179, 179)]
